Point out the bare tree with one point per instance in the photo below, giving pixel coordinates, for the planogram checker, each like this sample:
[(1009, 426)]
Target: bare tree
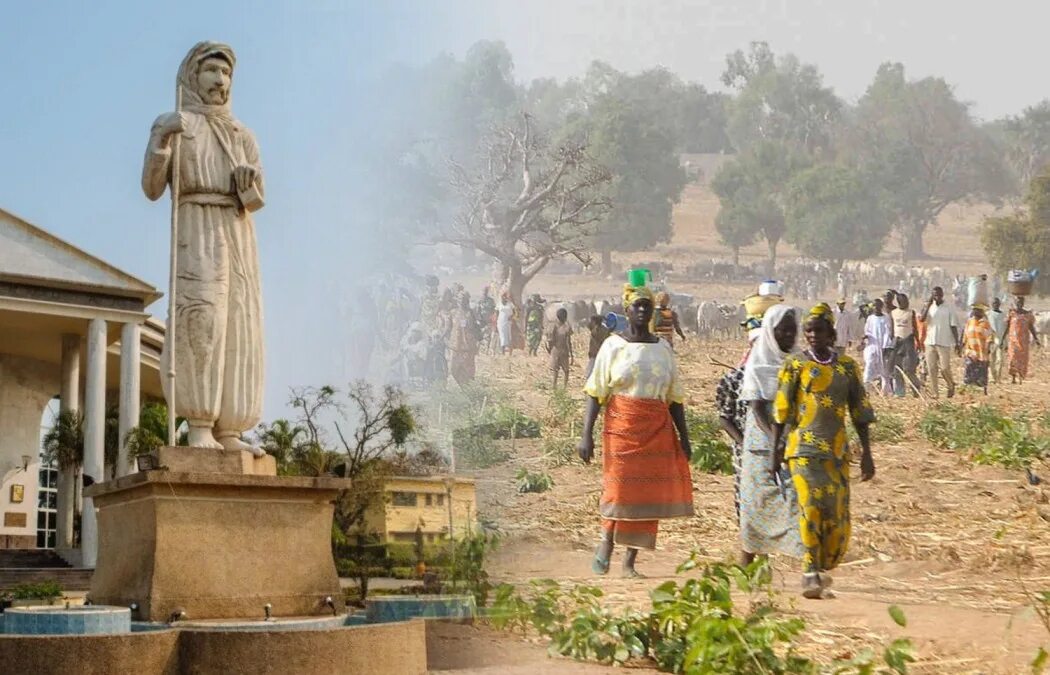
[(528, 202)]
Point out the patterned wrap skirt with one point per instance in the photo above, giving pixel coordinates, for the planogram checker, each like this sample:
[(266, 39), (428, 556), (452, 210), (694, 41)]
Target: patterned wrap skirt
[(645, 475), (768, 512)]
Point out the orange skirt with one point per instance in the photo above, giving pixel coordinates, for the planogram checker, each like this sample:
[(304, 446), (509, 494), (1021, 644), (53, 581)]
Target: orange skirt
[(645, 475)]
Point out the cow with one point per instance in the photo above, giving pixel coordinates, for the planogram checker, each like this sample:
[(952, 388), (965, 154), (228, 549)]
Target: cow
[(1042, 324)]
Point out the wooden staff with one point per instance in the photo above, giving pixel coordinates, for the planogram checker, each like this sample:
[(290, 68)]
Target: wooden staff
[(170, 332)]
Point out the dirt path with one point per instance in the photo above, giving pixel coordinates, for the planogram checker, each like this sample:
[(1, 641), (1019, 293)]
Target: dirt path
[(951, 543)]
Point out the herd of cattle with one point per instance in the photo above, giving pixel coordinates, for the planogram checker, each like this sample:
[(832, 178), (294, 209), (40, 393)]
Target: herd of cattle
[(706, 319)]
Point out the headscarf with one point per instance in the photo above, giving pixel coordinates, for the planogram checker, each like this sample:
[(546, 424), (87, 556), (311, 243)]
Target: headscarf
[(220, 118), (822, 311), (764, 363), (633, 293)]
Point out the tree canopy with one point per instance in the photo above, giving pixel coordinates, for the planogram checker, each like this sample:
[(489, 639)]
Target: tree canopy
[(1022, 240), (920, 145), (833, 215)]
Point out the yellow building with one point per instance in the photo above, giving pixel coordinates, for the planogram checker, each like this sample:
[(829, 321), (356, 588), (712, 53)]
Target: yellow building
[(411, 503)]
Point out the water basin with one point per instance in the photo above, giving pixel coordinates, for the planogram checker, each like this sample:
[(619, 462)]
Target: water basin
[(85, 620)]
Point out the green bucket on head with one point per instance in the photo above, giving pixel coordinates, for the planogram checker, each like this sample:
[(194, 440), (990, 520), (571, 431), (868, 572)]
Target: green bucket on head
[(639, 277)]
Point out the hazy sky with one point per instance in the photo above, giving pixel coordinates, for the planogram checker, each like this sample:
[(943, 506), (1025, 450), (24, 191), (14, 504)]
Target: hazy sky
[(985, 49), (83, 81)]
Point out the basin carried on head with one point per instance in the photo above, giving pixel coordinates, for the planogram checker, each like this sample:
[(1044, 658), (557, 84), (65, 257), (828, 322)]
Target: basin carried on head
[(86, 620)]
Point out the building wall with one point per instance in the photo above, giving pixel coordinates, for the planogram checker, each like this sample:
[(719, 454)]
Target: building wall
[(393, 521), (402, 521), (26, 386)]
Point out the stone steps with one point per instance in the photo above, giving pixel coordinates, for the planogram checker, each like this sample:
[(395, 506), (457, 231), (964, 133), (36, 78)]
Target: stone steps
[(30, 558), (68, 578)]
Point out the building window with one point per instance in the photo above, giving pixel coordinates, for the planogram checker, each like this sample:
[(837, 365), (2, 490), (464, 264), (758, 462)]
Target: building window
[(403, 498), (430, 500), (440, 500), (46, 515)]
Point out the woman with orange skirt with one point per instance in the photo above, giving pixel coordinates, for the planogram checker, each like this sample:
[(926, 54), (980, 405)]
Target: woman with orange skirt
[(645, 442)]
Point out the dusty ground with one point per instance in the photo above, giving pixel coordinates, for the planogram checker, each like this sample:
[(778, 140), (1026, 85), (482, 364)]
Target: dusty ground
[(955, 545)]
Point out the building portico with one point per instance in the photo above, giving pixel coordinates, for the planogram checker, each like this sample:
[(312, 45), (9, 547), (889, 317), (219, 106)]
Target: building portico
[(74, 327)]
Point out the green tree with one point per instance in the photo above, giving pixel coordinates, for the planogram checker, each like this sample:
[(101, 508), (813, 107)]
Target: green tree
[(283, 440), (628, 130), (778, 99), (920, 145), (833, 215), (1022, 240), (64, 441), (1027, 142), (752, 190)]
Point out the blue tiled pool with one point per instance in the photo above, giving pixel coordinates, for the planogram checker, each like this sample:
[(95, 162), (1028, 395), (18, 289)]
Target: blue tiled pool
[(388, 608), (89, 620)]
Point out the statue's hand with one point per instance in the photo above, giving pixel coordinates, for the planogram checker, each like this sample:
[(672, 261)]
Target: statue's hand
[(171, 123), (244, 177)]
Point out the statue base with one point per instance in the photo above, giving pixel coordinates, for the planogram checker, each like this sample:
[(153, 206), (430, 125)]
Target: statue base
[(215, 541)]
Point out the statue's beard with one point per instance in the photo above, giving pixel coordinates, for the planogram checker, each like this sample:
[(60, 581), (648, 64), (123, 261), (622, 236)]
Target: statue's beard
[(216, 97)]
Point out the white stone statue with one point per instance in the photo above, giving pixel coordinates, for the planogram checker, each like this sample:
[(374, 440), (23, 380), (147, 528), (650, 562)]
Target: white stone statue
[(218, 344)]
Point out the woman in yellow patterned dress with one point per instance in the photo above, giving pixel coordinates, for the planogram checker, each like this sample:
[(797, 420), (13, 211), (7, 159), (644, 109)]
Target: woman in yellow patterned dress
[(816, 391)]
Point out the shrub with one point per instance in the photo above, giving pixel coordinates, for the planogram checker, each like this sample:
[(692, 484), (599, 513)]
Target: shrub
[(476, 449), (467, 566), (41, 590), (694, 627), (711, 453), (989, 437), (533, 482), (559, 451)]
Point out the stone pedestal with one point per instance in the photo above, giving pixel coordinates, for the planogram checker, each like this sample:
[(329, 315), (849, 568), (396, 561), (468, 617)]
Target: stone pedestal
[(213, 541)]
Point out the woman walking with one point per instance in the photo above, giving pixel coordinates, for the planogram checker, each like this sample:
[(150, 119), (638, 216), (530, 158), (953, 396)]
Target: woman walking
[(977, 345), (504, 324), (768, 506), (645, 464), (1020, 333), (816, 391), (732, 412)]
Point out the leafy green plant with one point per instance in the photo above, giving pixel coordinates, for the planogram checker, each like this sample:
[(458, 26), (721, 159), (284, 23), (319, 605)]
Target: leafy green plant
[(533, 482), (476, 449), (989, 437), (64, 441), (694, 627), (563, 409), (41, 590), (558, 451), (711, 453), (1016, 446), (466, 568)]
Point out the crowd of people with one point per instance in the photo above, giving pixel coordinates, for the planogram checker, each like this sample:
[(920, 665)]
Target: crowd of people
[(785, 408)]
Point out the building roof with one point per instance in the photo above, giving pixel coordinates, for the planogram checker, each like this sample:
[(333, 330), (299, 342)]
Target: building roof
[(31, 256)]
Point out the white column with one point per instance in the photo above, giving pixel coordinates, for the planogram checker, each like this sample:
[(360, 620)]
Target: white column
[(94, 433), (67, 478), (130, 349)]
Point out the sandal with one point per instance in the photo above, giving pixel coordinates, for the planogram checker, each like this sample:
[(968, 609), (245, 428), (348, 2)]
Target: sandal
[(599, 566), (811, 588), (632, 573)]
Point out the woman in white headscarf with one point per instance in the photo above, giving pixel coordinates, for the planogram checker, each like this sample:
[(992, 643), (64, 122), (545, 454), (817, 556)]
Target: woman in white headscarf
[(768, 506)]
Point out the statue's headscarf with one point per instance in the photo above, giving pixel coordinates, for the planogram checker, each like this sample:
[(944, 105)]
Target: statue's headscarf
[(632, 293), (219, 117)]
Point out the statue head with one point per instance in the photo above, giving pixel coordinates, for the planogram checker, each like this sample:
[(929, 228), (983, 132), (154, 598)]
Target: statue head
[(214, 76), (206, 75)]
